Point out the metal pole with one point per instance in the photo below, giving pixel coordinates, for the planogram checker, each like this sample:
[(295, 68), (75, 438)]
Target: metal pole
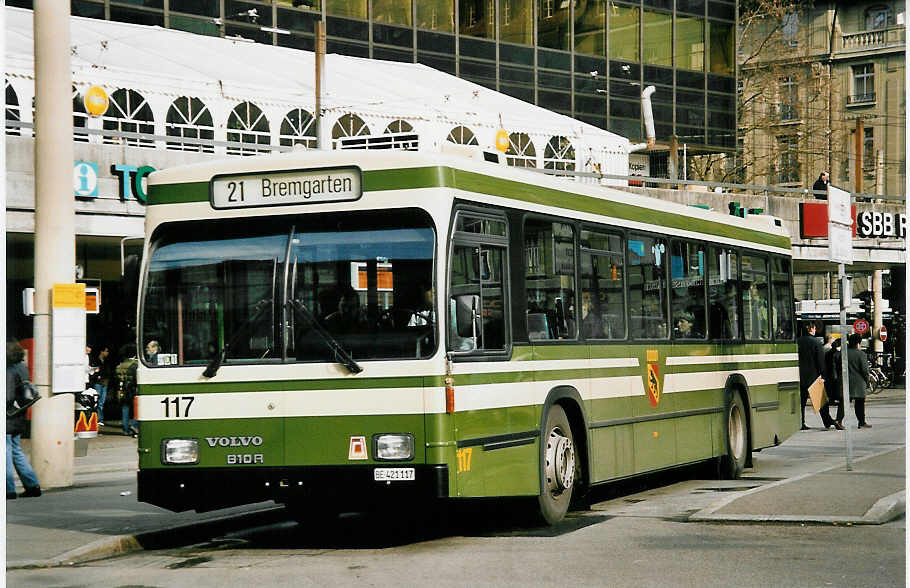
[(320, 78), (55, 247), (858, 164), (846, 294)]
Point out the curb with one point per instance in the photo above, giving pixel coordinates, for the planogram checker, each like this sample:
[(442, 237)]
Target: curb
[(176, 536), (884, 510)]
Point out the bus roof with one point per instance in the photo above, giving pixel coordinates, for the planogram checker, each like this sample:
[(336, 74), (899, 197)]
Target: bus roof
[(397, 170)]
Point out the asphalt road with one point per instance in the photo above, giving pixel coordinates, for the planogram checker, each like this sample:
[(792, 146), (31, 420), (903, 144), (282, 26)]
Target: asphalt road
[(634, 534)]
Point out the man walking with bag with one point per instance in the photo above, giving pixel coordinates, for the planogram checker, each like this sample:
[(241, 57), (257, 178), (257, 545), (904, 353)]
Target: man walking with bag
[(811, 366), (16, 407)]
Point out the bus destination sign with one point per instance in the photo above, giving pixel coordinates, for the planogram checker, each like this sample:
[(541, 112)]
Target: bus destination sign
[(282, 188)]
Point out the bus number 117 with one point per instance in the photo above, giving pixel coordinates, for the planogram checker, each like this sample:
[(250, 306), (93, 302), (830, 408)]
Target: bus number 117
[(176, 400)]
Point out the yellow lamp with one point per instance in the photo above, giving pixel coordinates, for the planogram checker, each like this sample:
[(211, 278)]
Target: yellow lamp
[(502, 140)]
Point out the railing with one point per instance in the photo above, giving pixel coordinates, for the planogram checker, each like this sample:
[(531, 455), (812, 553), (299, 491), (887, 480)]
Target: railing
[(877, 39), (861, 98)]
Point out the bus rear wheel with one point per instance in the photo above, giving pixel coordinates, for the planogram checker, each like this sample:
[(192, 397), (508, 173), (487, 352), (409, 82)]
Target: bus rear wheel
[(737, 439), (558, 466)]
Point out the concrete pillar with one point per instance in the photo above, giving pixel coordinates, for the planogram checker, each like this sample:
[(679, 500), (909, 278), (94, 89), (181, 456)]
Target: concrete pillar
[(55, 247), (877, 309)]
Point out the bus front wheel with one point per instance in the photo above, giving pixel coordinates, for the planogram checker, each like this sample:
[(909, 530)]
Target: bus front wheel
[(737, 428), (557, 466)]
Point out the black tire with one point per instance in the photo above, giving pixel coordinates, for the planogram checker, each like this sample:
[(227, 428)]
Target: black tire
[(736, 434), (558, 466)]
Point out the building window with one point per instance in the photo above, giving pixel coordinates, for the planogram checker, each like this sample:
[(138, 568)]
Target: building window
[(347, 8), (721, 48), (521, 152), (129, 113), (189, 118), (590, 22), (559, 154), (863, 83), (516, 21), (624, 22), (787, 108), (12, 109), (396, 12), (878, 17), (436, 15), (349, 125), (787, 171), (869, 152), (297, 128), (476, 18), (790, 29), (462, 136), (659, 36), (690, 43), (247, 124), (553, 24)]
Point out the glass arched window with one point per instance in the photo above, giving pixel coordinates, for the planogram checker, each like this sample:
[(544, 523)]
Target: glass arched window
[(12, 109), (399, 126), (298, 128), (559, 154), (247, 124), (878, 17), (189, 118), (462, 136), (80, 117), (521, 151), (404, 136), (349, 125), (128, 112)]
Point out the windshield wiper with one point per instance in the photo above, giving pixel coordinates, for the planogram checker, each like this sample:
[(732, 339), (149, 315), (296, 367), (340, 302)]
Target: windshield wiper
[(341, 356), (258, 312)]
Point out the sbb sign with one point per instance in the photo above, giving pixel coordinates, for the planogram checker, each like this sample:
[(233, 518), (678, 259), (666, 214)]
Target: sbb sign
[(871, 223)]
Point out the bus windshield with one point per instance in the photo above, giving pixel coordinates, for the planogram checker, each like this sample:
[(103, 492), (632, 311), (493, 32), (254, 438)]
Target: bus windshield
[(225, 286)]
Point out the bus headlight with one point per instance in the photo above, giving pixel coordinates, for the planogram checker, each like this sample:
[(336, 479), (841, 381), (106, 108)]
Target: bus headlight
[(393, 446), (183, 451)]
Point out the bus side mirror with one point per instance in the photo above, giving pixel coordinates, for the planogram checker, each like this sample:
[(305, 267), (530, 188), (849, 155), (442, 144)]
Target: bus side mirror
[(467, 315)]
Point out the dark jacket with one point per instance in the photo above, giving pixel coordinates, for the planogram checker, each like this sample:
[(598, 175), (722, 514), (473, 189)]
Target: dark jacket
[(15, 373), (811, 359), (858, 368), (833, 385), (822, 185), (126, 381)]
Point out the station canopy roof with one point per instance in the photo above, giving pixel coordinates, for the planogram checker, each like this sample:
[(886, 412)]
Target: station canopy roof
[(172, 63)]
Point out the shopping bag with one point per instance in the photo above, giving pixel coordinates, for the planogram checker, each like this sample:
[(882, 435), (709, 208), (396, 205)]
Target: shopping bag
[(817, 394)]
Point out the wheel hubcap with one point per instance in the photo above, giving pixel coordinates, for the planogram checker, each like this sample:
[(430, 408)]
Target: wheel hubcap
[(560, 462), (736, 427)]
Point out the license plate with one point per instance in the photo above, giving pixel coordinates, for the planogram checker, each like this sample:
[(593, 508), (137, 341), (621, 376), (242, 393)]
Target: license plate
[(393, 474)]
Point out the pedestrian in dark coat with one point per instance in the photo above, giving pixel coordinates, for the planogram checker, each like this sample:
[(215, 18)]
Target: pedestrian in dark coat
[(16, 373), (858, 369), (833, 387), (821, 184), (811, 366)]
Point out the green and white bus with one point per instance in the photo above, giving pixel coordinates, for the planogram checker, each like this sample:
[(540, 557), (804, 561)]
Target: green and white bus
[(347, 329)]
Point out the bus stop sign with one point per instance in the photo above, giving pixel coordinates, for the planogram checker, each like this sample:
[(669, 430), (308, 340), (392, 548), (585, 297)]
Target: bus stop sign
[(861, 326), (883, 334)]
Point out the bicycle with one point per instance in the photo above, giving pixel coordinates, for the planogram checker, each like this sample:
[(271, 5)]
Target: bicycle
[(881, 373)]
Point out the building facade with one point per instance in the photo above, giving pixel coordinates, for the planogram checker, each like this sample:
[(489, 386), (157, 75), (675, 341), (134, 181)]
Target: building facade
[(587, 59), (812, 81)]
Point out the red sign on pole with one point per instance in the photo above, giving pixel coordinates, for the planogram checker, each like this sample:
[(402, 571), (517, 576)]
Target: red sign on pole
[(861, 326), (883, 334)]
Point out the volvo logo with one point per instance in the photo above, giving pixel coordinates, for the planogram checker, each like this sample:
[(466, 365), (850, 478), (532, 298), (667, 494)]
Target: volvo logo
[(240, 441)]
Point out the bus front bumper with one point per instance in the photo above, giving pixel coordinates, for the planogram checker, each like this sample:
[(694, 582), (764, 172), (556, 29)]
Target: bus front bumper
[(204, 489)]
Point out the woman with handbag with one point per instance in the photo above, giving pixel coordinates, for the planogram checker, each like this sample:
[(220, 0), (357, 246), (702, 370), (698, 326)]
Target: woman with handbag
[(16, 382)]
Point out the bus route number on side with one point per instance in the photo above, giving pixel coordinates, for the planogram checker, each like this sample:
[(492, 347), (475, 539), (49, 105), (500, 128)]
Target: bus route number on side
[(178, 405)]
